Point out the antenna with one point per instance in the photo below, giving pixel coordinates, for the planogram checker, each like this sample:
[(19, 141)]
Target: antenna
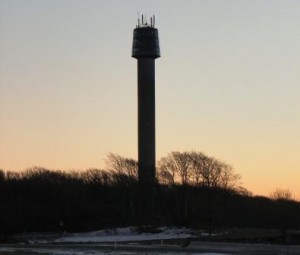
[(143, 22), (138, 14)]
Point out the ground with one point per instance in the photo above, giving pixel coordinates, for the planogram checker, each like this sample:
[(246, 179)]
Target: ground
[(130, 241)]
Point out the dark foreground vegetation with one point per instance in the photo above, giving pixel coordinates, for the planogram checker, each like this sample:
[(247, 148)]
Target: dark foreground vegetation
[(201, 193)]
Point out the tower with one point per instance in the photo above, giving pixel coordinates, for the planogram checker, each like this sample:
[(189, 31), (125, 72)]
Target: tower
[(145, 49)]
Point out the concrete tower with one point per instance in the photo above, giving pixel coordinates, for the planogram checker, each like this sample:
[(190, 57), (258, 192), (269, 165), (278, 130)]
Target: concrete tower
[(145, 49)]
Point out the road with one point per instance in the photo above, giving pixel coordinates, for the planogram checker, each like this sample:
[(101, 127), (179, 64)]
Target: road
[(194, 247)]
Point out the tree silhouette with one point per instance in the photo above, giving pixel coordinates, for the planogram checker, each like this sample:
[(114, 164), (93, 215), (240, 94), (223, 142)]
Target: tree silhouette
[(196, 169), (194, 190)]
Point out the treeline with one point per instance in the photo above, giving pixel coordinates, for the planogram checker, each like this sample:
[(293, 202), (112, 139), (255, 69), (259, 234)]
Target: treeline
[(193, 190)]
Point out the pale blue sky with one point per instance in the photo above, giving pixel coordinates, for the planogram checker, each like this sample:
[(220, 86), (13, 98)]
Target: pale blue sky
[(227, 84)]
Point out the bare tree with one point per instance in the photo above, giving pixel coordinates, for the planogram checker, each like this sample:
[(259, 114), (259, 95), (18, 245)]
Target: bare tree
[(281, 194), (15, 176), (243, 191), (96, 176), (122, 166), (175, 165), (198, 169), (210, 172), (198, 162), (166, 175), (228, 178)]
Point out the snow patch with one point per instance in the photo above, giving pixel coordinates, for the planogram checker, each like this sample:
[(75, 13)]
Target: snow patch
[(129, 234)]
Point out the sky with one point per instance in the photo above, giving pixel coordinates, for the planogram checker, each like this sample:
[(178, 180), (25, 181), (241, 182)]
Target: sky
[(227, 84)]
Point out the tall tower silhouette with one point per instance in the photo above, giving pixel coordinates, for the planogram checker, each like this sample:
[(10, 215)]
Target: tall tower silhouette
[(145, 49)]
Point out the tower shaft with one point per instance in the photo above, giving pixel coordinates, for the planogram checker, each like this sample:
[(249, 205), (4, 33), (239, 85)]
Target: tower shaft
[(146, 121)]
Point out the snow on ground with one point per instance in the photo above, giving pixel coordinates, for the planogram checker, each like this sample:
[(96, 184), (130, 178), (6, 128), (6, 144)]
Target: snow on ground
[(109, 242), (129, 234)]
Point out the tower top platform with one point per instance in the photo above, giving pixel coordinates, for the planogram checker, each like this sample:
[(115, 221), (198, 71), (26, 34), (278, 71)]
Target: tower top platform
[(145, 40)]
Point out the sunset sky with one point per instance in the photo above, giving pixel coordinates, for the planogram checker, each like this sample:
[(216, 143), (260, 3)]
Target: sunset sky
[(227, 84)]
